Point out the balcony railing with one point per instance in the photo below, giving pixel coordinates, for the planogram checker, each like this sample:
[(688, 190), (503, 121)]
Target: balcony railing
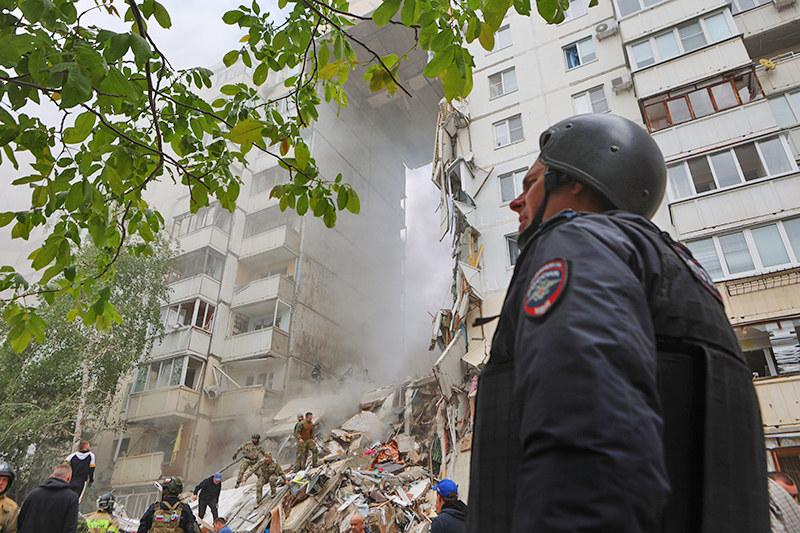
[(281, 237), (137, 469), (263, 289), (210, 235), (265, 341), (176, 402), (201, 286), (779, 398), (236, 403), (185, 339)]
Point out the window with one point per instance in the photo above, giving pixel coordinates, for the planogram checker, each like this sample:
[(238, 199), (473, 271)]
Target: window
[(268, 219), (591, 101), (628, 7), (213, 215), (579, 53), (750, 251), (502, 83), (265, 379), (511, 184), (701, 99), (513, 248), (267, 179), (680, 40), (172, 372), (193, 313), (502, 38), (745, 162), (203, 261), (271, 313), (576, 9), (508, 131), (743, 5), (786, 108)]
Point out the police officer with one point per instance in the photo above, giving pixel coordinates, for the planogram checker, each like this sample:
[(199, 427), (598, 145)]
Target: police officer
[(8, 507), (103, 520), (253, 451), (172, 514), (616, 397), (267, 471)]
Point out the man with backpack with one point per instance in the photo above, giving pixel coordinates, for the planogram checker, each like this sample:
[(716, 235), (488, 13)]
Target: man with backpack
[(170, 514)]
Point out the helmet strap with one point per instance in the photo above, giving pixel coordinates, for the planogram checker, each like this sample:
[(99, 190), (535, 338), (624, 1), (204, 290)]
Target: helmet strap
[(553, 179)]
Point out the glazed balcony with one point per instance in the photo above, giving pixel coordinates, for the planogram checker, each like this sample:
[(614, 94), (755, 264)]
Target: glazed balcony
[(175, 404), (186, 339), (137, 470)]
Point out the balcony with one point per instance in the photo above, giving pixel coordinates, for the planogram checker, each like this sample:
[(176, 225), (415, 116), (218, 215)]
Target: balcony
[(280, 244), (762, 297), (238, 402), (784, 76), (766, 31), (265, 341), (659, 17), (779, 398), (751, 202), (685, 69), (263, 289), (201, 286), (705, 133), (137, 470), (186, 339), (208, 236), (176, 403)]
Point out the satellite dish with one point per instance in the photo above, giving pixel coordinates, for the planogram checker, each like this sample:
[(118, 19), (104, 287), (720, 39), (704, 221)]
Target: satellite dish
[(600, 28)]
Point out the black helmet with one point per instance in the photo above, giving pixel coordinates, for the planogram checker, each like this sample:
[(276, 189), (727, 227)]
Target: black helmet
[(612, 155), (6, 471), (172, 486), (106, 502), (256, 436)]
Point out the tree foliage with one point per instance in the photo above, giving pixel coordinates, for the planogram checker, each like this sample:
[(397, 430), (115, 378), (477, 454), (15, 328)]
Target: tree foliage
[(40, 388), (128, 118)]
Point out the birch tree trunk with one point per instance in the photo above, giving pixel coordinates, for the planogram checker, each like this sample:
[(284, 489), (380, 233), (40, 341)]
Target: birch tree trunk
[(78, 432)]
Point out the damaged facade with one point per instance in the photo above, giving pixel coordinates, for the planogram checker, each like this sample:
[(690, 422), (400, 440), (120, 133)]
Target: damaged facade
[(718, 87), (260, 297)]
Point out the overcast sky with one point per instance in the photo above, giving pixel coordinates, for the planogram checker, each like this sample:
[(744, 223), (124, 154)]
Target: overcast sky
[(198, 37)]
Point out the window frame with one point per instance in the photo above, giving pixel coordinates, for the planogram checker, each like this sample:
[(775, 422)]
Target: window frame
[(587, 94), (502, 77), (683, 92), (508, 130), (503, 28), (273, 176), (672, 187), (152, 378), (642, 7), (675, 31), (753, 251), (213, 215), (171, 315), (581, 61), (256, 223), (517, 186), (569, 14), (511, 259), (195, 263)]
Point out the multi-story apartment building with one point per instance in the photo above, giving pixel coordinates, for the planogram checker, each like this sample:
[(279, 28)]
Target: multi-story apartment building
[(261, 296), (718, 86)]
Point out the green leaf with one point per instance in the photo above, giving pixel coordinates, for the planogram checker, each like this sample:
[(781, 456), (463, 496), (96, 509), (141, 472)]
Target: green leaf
[(230, 58), (523, 7), (75, 197), (341, 198), (6, 218), (141, 50), (412, 11), (302, 204), (344, 73), (162, 16), (385, 12), (76, 90), (260, 74), (247, 131), (330, 70), (486, 37), (19, 339), (232, 17), (353, 203), (329, 217), (44, 255), (593, 3), (440, 62), (301, 154), (229, 90), (120, 42), (323, 56), (473, 29), (442, 40), (83, 127)]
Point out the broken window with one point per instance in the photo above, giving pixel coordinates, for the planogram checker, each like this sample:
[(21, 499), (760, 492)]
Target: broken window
[(272, 313), (198, 313), (169, 373)]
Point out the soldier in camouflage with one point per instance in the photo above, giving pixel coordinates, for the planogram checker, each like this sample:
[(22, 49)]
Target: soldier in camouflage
[(253, 451), (268, 471), (304, 432)]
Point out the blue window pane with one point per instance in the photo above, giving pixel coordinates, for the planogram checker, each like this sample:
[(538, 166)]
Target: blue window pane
[(770, 246)]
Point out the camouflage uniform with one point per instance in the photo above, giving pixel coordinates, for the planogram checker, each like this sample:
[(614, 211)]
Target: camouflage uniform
[(83, 526), (267, 473), (252, 453), (304, 432), (101, 521)]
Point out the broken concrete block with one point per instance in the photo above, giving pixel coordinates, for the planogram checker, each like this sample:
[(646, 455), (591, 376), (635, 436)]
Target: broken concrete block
[(406, 443), (367, 423)]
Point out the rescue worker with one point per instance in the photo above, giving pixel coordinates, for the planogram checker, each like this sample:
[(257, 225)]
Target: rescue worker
[(304, 433), (616, 397), (266, 471), (83, 463), (316, 375), (300, 420), (209, 490), (103, 520), (170, 514), (253, 451), (8, 507)]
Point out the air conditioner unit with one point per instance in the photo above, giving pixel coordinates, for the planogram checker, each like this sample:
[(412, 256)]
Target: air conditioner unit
[(211, 392), (782, 4), (623, 83), (606, 29)]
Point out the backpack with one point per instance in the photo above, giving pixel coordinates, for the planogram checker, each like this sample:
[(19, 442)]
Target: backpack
[(167, 520)]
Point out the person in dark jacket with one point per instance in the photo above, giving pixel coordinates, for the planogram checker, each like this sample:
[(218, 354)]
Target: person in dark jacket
[(171, 489), (52, 507), (452, 511), (209, 490), (616, 397), (83, 464)]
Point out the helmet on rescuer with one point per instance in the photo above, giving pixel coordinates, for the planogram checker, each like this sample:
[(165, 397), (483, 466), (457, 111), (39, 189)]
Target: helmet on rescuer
[(256, 436), (612, 155), (6, 471), (172, 486), (106, 502)]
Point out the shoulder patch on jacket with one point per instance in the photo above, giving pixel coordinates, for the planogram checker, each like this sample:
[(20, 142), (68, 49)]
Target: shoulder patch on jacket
[(546, 287)]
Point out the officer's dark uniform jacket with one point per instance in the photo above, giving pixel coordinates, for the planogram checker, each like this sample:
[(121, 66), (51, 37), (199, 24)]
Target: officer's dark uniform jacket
[(627, 405)]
